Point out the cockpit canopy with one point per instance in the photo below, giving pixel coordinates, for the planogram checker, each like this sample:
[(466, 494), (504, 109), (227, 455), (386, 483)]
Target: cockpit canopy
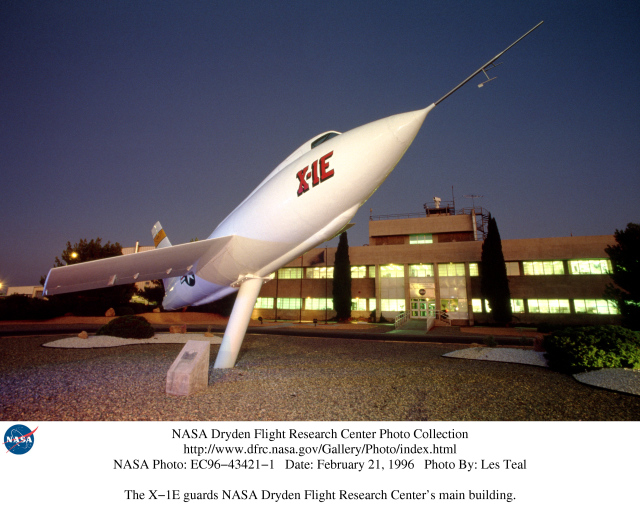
[(323, 138)]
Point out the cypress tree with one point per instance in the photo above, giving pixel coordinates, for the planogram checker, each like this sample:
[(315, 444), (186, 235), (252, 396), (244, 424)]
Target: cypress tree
[(625, 262), (494, 284), (342, 280)]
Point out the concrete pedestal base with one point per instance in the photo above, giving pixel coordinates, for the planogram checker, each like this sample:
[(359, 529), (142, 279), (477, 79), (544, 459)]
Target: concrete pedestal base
[(189, 373)]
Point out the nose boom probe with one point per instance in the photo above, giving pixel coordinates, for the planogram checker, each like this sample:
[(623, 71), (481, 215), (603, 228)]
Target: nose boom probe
[(486, 66)]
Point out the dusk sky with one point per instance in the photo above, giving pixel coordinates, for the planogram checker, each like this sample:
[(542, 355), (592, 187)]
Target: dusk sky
[(114, 115)]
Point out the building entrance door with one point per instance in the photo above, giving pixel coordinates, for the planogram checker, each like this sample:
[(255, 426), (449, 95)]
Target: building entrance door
[(420, 307)]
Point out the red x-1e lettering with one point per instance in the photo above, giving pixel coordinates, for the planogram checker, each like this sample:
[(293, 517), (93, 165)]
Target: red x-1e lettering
[(303, 185), (324, 165), (320, 172)]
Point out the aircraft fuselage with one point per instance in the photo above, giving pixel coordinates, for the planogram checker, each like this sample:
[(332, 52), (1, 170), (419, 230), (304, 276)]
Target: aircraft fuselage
[(305, 201)]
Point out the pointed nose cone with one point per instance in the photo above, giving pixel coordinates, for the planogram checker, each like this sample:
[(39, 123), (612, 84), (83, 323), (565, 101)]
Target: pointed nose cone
[(405, 126)]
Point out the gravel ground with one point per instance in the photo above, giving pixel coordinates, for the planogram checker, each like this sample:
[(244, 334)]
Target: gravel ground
[(293, 378)]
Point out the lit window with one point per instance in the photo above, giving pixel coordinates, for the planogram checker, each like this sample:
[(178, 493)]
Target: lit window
[(372, 271), (420, 239), (421, 270), (264, 303), (392, 271), (540, 268), (289, 303), (358, 304), (318, 303), (391, 304), (590, 266), (290, 273), (559, 306), (359, 272), (451, 269), (319, 272), (596, 307), (513, 268), (534, 307), (372, 304), (449, 304), (517, 305), (548, 306), (476, 305)]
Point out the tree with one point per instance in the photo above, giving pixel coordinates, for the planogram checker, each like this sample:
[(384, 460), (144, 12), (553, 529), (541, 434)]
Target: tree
[(85, 250), (342, 280), (95, 301), (154, 294), (625, 262), (494, 284)]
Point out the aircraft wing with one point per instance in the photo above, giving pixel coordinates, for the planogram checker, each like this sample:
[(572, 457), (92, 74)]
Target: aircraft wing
[(154, 264)]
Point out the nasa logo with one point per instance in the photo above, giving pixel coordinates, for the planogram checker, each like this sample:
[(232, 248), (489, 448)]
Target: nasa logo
[(189, 279), (319, 173), (19, 439)]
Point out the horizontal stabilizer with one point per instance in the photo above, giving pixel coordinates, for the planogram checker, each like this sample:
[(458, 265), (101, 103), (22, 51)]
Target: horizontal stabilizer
[(155, 264)]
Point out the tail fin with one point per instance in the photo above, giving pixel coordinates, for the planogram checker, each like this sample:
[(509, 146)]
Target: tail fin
[(160, 240)]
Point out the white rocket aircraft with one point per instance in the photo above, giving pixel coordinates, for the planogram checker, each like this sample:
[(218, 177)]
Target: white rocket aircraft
[(308, 199)]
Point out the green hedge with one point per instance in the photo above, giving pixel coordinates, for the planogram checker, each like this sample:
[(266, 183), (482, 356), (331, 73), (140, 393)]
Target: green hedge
[(21, 307), (127, 327), (581, 349)]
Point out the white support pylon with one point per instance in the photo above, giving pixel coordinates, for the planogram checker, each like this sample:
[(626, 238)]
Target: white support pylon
[(238, 322)]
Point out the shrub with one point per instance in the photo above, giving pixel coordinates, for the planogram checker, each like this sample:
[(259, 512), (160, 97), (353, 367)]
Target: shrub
[(490, 341), (574, 350), (90, 307), (546, 327), (127, 327), (21, 307)]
